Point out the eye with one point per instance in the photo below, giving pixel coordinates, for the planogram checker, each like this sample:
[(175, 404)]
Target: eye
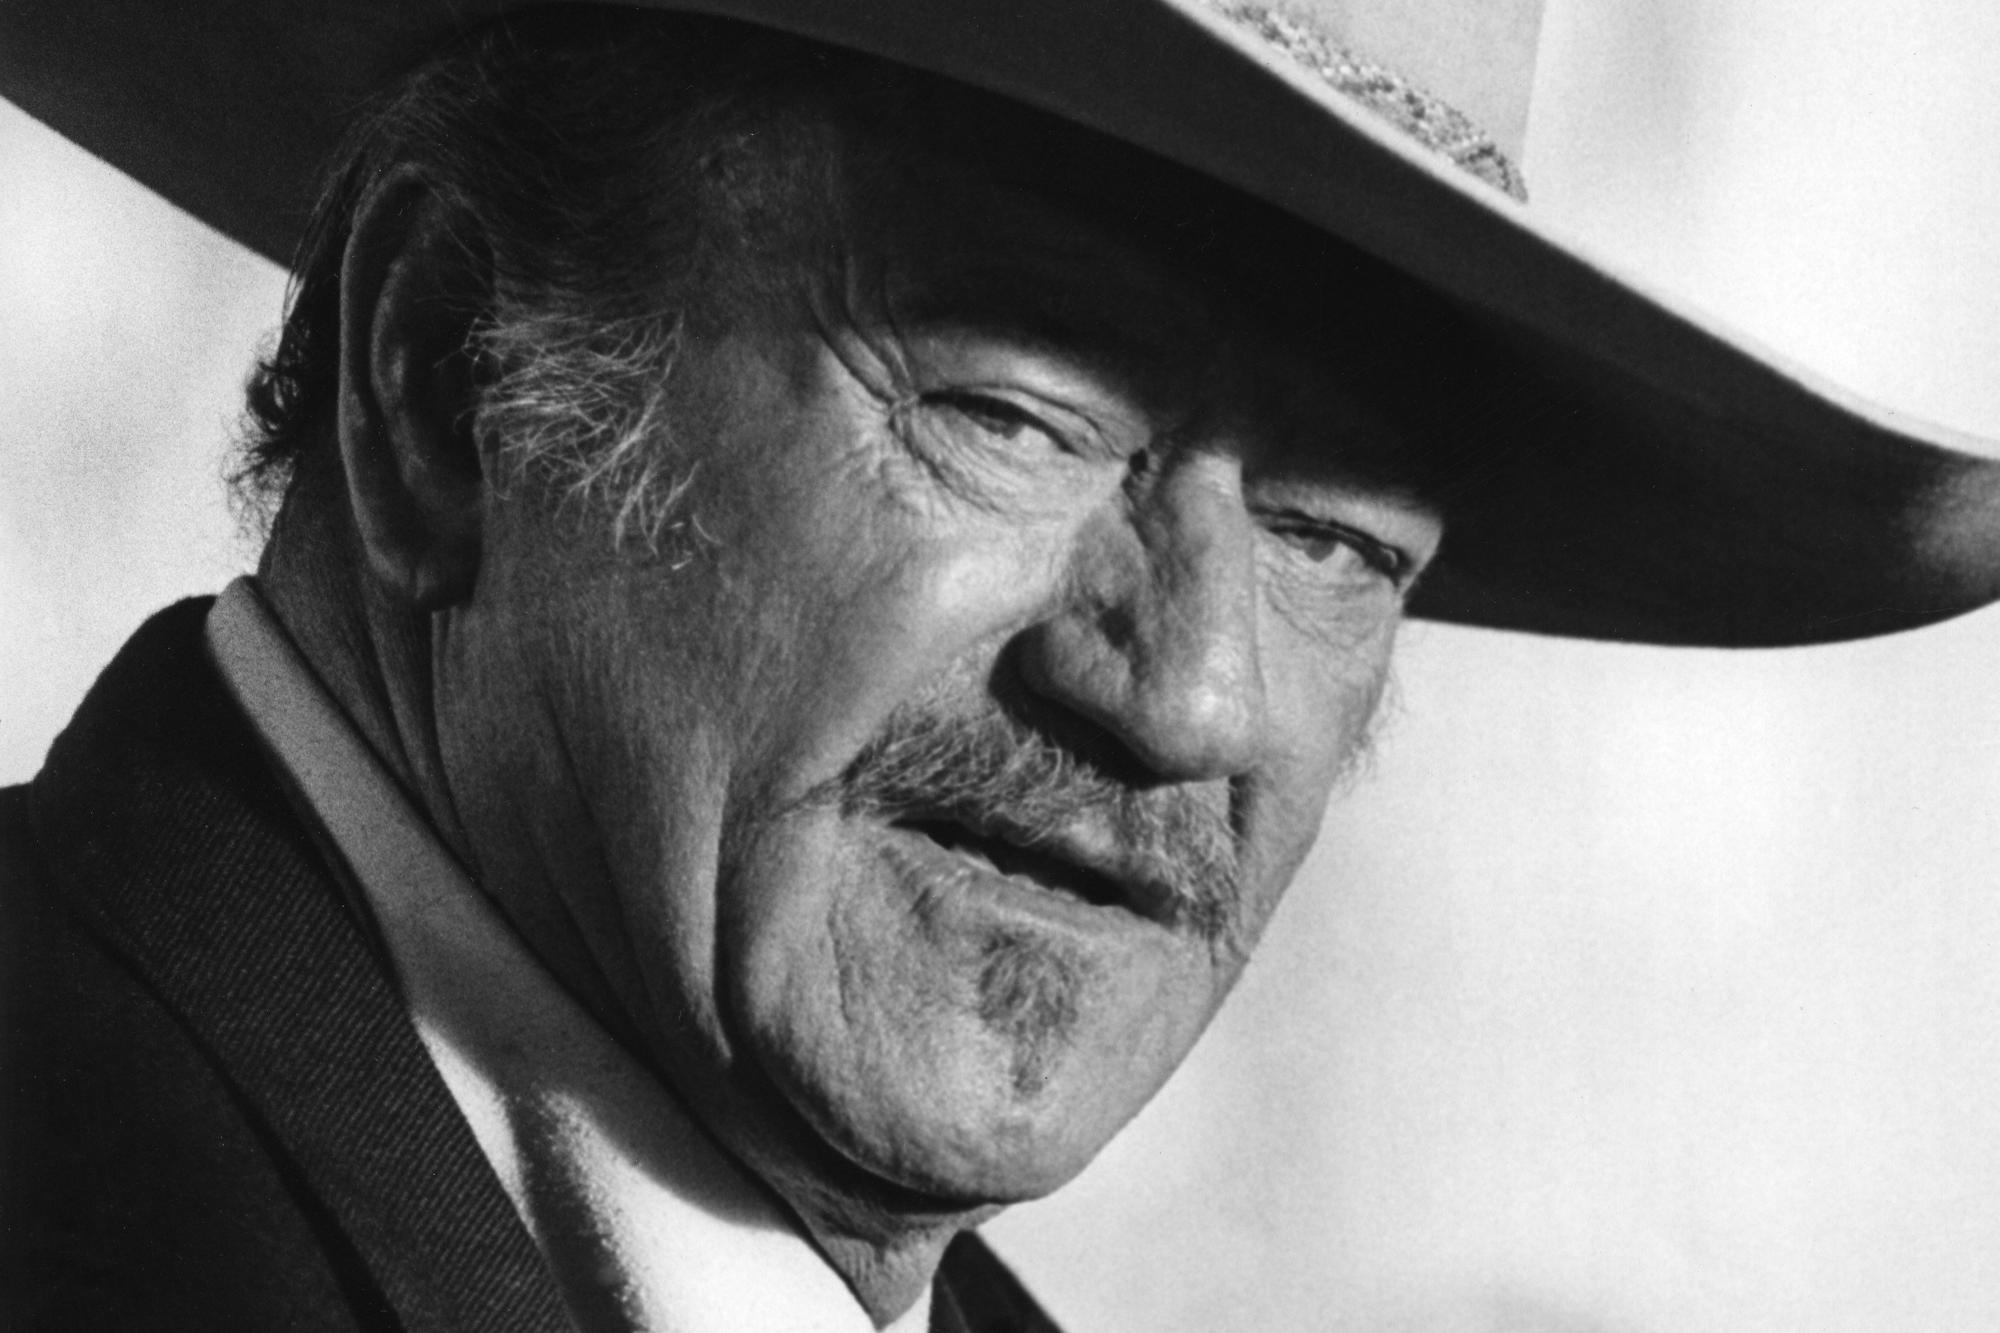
[(1322, 541), (996, 416)]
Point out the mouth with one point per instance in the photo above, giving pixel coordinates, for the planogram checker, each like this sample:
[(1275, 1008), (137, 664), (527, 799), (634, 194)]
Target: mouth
[(1043, 868)]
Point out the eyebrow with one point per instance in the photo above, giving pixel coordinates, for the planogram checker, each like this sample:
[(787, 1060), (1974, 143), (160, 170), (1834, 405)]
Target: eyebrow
[(1019, 307), (1354, 446)]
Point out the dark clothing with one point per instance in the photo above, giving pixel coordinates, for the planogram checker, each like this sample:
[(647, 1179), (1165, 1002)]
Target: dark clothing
[(214, 1112)]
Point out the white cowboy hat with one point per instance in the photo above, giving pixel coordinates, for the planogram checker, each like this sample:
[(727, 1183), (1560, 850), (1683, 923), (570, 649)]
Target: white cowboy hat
[(1661, 480)]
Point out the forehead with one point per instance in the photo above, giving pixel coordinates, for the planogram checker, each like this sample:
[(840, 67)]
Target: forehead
[(945, 248)]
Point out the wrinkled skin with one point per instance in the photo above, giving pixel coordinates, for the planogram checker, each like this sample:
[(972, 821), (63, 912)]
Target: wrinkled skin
[(999, 461)]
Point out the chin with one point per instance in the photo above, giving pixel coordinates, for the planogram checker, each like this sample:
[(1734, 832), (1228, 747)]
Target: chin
[(966, 1105), (966, 1146), (945, 1029)]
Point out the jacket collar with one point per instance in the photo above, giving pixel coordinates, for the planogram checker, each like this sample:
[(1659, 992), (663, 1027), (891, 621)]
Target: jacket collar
[(175, 840), (159, 814)]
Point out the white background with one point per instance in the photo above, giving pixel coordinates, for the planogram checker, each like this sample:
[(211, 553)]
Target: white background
[(1634, 990)]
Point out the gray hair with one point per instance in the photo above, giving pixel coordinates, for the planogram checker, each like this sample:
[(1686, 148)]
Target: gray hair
[(617, 173)]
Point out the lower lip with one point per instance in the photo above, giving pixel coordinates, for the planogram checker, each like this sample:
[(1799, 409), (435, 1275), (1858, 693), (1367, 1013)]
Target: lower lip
[(926, 865)]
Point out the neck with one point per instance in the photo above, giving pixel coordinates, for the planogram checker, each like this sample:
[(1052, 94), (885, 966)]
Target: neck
[(886, 1279), (887, 1259), (885, 1240), (373, 656)]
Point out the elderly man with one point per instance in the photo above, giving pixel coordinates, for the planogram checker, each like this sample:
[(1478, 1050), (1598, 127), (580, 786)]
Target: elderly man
[(812, 611)]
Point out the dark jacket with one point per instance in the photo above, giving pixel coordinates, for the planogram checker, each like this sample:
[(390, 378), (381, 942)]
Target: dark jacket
[(214, 1112)]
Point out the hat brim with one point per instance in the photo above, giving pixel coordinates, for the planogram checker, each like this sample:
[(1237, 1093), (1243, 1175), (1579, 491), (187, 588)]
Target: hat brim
[(1666, 481)]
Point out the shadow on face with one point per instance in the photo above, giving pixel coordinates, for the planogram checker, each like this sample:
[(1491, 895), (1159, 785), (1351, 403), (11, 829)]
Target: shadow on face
[(1054, 529)]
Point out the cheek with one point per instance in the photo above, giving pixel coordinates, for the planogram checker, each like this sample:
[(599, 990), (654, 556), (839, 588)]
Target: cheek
[(585, 747), (846, 606), (1323, 698), (1324, 680)]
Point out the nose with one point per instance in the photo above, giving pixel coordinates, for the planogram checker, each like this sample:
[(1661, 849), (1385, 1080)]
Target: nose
[(1157, 644)]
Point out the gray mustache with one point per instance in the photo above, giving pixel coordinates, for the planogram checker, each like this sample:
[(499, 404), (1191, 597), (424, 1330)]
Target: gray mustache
[(996, 775)]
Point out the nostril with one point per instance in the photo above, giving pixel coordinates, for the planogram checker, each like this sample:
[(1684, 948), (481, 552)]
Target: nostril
[(1118, 626), (1072, 712)]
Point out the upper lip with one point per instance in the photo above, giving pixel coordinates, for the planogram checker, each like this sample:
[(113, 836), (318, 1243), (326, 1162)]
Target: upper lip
[(1084, 859)]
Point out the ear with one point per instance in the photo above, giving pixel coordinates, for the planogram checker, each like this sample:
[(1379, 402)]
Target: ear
[(409, 290)]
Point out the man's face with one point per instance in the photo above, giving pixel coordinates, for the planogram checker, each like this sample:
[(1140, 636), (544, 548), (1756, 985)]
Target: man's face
[(922, 809)]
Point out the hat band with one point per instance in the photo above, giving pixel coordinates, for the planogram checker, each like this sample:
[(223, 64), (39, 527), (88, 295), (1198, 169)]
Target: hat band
[(1438, 126)]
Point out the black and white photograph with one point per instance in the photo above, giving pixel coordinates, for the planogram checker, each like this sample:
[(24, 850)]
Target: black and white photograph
[(992, 666)]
